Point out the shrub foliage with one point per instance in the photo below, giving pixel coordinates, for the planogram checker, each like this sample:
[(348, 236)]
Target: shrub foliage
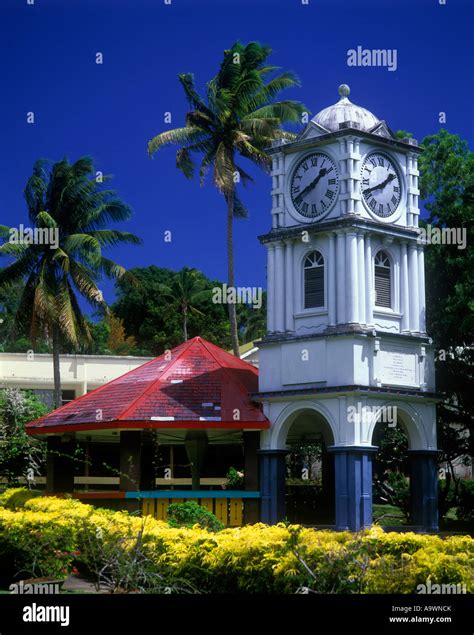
[(189, 514), (48, 536)]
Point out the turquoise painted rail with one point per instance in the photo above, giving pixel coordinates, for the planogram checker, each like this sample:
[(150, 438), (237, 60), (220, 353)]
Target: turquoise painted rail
[(180, 493)]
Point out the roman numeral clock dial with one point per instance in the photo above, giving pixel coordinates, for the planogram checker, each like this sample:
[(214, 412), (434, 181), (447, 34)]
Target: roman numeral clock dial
[(380, 185), (314, 185)]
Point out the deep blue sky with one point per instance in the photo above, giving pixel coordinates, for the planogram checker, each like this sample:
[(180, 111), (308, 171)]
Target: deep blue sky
[(110, 111)]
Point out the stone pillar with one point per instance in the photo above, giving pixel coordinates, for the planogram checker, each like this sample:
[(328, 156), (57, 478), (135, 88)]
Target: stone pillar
[(353, 475), (289, 285), (369, 282), (59, 465), (352, 287), (272, 485), (404, 285), (130, 460), (331, 284), (414, 288), (251, 446), (360, 274), (196, 443), (421, 289), (271, 288), (340, 278), (279, 288), (424, 488)]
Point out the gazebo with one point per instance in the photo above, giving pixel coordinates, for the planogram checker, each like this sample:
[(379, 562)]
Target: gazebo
[(165, 432)]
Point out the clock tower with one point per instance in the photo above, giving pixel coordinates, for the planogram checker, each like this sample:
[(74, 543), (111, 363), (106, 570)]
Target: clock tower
[(346, 341)]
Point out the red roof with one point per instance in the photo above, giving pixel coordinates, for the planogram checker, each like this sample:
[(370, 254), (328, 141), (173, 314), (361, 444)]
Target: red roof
[(196, 385)]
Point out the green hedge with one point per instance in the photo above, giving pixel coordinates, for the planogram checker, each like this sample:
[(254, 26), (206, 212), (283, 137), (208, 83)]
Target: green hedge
[(49, 536)]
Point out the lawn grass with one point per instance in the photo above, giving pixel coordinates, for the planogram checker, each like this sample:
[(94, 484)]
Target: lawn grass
[(390, 515)]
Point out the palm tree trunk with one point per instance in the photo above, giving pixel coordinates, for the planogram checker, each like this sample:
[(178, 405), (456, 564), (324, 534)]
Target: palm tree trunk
[(56, 371), (234, 336), (185, 323)]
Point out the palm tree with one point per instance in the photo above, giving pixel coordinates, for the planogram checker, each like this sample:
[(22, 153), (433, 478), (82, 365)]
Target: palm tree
[(70, 211), (236, 117), (186, 291)]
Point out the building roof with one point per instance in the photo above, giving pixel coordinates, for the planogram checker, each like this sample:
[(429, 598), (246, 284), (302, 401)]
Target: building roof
[(249, 346), (344, 110), (249, 351), (195, 385)]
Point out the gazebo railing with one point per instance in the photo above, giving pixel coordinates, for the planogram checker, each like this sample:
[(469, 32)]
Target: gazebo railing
[(226, 505)]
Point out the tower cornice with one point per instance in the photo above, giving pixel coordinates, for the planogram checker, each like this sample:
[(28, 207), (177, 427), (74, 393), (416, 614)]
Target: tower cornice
[(344, 224), (323, 139)]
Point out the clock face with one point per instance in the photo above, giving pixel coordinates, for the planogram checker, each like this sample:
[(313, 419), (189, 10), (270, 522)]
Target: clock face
[(314, 185), (380, 185)]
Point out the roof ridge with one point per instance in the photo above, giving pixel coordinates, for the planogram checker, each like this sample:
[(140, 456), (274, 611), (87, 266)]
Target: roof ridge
[(235, 378), (185, 346), (239, 359)]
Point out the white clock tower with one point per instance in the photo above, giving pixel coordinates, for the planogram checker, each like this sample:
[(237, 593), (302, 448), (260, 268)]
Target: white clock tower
[(346, 334)]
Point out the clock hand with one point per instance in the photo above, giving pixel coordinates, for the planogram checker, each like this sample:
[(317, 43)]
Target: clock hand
[(312, 185), (389, 178)]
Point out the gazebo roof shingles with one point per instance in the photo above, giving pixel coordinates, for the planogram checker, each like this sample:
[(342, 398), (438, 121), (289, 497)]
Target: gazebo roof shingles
[(172, 390)]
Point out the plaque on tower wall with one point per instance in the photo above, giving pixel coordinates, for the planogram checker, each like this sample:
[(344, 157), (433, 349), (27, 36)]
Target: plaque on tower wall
[(304, 363), (397, 368)]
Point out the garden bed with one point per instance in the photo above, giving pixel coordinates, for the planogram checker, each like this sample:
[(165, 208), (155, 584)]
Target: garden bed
[(48, 536)]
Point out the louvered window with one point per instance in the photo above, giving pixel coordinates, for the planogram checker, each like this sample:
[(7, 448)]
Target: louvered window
[(383, 290), (313, 280)]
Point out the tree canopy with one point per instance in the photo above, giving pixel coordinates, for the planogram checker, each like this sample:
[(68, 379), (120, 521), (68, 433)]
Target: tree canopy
[(151, 317), (447, 186), (60, 258)]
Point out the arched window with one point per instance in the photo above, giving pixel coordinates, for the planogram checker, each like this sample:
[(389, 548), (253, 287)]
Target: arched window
[(383, 290), (313, 280)]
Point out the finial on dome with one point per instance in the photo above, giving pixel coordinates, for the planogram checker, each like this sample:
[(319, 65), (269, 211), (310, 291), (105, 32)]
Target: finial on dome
[(344, 90)]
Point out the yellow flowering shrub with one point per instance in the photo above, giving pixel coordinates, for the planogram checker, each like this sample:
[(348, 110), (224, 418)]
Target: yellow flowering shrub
[(48, 535), (16, 497)]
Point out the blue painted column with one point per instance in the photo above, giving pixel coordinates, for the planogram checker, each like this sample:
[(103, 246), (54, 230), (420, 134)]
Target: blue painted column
[(272, 485), (424, 488), (353, 475)]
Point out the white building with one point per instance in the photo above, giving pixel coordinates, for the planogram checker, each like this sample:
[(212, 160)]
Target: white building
[(346, 309), (80, 374)]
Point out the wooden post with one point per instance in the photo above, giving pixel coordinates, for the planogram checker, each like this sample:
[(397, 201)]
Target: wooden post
[(130, 458), (196, 443), (59, 465), (147, 458), (251, 480), (130, 466)]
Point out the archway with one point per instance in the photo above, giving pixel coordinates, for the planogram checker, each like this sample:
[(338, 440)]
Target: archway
[(309, 469), (391, 474), (298, 421), (405, 468)]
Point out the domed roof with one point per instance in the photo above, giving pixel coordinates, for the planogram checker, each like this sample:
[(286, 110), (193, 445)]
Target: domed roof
[(345, 110)]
